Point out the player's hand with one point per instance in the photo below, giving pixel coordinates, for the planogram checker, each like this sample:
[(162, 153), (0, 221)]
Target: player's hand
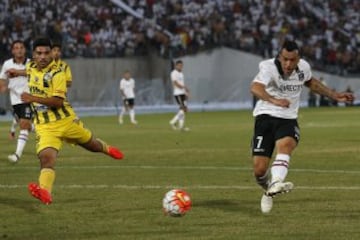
[(280, 102), (26, 97), (345, 97), (12, 72)]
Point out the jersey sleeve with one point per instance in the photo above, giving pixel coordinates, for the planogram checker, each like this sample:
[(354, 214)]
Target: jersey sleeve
[(3, 74), (68, 73), (59, 85), (307, 71), (264, 75), (121, 85), (174, 76)]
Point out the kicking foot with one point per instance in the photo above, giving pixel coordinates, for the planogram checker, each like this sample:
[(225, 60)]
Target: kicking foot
[(40, 193), (279, 187), (173, 126), (115, 153), (266, 203), (14, 158), (185, 129)]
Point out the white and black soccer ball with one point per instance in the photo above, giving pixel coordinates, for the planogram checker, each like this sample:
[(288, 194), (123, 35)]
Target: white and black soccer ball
[(176, 203)]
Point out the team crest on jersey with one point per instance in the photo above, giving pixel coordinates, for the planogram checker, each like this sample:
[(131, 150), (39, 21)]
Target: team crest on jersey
[(301, 75), (47, 77), (36, 79)]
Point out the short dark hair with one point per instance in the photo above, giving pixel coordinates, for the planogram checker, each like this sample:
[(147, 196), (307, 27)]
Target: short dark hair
[(178, 62), (17, 41), (42, 41), (290, 46), (56, 44)]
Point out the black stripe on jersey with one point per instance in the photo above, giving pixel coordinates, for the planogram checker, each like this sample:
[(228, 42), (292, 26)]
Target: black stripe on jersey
[(36, 117), (66, 112), (46, 117), (56, 113)]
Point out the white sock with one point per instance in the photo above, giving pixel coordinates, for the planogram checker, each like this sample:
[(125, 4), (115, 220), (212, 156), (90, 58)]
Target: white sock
[(279, 168), (132, 115), (123, 110), (181, 119), (13, 125), (21, 142), (175, 118)]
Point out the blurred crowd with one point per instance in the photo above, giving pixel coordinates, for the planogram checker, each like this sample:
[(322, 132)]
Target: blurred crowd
[(327, 31)]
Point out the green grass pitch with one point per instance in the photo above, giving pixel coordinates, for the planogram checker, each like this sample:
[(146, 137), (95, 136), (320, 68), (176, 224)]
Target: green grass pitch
[(96, 197)]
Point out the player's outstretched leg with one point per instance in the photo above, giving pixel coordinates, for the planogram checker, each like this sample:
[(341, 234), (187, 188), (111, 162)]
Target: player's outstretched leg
[(110, 150)]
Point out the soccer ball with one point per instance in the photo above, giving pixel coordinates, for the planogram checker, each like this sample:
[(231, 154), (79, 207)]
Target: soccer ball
[(176, 203)]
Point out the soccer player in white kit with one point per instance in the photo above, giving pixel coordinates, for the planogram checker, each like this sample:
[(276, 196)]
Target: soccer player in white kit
[(13, 74), (181, 93), (278, 86), (127, 90)]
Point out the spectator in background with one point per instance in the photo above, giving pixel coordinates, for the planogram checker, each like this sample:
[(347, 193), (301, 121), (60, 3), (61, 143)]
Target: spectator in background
[(329, 34)]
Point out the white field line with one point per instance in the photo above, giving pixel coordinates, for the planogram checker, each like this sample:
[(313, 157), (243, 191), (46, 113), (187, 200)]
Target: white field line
[(199, 187), (214, 168)]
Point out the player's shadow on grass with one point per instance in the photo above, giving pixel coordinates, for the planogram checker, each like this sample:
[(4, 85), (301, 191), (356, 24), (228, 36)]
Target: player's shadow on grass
[(26, 205), (229, 205)]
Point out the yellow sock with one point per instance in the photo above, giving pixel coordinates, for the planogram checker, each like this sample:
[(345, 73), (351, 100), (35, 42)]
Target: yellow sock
[(105, 146), (47, 178)]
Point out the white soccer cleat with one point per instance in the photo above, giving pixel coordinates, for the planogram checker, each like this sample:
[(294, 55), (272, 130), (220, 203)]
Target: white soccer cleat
[(121, 120), (134, 122), (173, 126), (266, 203), (185, 129), (13, 158), (279, 187)]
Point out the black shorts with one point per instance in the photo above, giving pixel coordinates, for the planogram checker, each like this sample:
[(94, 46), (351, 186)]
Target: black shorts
[(129, 102), (181, 100), (22, 111), (268, 129)]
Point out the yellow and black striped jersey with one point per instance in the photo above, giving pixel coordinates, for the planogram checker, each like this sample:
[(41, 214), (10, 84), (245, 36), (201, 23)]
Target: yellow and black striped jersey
[(46, 83), (67, 70)]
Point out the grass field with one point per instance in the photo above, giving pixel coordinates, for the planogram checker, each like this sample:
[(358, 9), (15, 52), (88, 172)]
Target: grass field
[(96, 197)]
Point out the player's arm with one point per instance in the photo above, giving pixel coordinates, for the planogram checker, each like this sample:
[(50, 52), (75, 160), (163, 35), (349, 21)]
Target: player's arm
[(318, 87), (54, 102), (179, 85), (258, 90), (3, 85), (12, 72), (122, 92)]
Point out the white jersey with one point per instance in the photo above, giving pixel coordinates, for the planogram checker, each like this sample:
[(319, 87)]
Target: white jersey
[(128, 87), (281, 88), (16, 85), (179, 77)]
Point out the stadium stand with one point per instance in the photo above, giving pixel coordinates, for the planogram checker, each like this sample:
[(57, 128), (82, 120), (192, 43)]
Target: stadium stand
[(327, 31)]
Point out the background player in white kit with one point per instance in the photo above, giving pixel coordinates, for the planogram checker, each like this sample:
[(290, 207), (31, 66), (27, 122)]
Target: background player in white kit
[(181, 93), (278, 87), (13, 74), (127, 91)]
